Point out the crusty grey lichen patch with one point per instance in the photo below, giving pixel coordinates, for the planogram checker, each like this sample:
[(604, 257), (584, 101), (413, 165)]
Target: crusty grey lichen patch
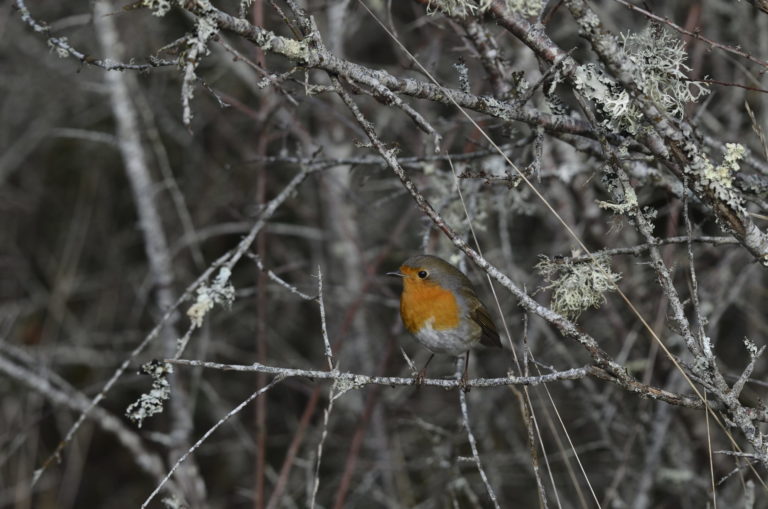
[(159, 8), (717, 180), (152, 403)]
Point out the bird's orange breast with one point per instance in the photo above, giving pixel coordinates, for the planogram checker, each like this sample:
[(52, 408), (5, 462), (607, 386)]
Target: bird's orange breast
[(422, 302)]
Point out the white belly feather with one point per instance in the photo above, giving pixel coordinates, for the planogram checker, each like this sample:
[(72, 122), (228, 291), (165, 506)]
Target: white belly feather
[(443, 341)]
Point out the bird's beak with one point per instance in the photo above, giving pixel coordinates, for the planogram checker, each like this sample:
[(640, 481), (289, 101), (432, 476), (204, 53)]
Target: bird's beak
[(397, 274)]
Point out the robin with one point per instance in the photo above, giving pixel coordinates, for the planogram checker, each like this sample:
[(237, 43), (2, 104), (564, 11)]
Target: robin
[(440, 307)]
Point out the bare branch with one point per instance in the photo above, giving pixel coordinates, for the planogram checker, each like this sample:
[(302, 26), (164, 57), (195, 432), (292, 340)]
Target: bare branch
[(356, 380)]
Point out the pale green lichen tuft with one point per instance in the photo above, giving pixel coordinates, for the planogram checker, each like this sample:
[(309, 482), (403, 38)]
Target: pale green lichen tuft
[(296, 50), (577, 287), (220, 292), (612, 100), (658, 62), (465, 8), (458, 8)]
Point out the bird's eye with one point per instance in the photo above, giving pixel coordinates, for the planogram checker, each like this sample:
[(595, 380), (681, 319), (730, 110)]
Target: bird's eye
[(423, 274)]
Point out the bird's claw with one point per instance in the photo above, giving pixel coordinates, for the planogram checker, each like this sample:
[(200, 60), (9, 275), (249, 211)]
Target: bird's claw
[(463, 383)]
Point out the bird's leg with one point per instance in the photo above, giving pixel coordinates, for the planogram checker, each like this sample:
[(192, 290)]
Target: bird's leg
[(423, 373), (463, 381)]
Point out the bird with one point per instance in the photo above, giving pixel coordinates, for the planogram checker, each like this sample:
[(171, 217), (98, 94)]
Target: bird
[(440, 307)]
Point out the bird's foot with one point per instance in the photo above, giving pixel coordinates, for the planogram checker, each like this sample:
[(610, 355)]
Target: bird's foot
[(420, 377), (463, 383)]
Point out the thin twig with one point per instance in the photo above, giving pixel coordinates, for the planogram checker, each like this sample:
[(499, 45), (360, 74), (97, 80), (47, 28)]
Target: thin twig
[(711, 459), (277, 279), (326, 417), (471, 436), (208, 433), (323, 325), (265, 214), (65, 49), (356, 380), (66, 396), (532, 451), (642, 248), (227, 261)]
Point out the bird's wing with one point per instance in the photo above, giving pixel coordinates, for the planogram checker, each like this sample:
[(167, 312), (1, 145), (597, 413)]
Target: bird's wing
[(490, 336)]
